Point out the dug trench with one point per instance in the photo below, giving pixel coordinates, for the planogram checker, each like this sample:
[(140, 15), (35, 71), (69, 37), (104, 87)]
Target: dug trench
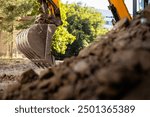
[(115, 66)]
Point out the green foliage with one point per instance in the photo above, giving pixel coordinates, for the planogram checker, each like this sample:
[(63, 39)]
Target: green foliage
[(13, 9), (62, 37), (85, 24)]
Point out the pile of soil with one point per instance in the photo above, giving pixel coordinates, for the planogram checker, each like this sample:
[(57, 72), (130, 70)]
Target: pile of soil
[(116, 66)]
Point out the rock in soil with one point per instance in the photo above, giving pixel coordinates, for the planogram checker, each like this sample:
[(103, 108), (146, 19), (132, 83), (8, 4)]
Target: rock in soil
[(28, 77), (116, 66)]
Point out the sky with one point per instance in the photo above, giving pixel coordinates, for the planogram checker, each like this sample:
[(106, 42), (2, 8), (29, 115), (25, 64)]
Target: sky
[(99, 4)]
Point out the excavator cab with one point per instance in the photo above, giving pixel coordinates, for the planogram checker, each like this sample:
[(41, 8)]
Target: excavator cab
[(35, 42)]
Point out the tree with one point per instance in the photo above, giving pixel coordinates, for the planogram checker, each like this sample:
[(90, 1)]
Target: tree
[(81, 26), (62, 37), (11, 10), (85, 24)]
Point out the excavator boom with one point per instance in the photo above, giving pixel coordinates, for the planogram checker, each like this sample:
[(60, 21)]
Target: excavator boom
[(119, 9)]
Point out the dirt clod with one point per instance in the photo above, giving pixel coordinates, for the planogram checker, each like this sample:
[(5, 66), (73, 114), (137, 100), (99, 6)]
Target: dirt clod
[(28, 77)]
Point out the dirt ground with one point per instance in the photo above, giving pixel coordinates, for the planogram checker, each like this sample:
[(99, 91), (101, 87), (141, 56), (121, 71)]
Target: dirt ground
[(15, 66), (116, 66), (11, 69)]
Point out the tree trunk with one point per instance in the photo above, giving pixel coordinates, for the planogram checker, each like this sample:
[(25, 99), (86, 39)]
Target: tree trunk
[(11, 43), (0, 34), (11, 49)]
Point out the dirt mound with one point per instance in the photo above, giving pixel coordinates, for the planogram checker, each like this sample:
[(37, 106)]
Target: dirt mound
[(116, 66)]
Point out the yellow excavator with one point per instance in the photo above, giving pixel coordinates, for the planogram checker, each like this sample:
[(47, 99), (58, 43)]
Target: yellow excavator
[(35, 42)]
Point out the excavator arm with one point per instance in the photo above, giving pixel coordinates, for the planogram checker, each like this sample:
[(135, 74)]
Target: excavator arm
[(54, 7), (50, 12), (119, 9)]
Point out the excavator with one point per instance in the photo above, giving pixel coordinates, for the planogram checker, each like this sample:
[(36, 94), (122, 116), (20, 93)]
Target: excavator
[(35, 42)]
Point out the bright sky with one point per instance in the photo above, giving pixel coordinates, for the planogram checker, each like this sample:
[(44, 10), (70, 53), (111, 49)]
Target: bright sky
[(99, 4)]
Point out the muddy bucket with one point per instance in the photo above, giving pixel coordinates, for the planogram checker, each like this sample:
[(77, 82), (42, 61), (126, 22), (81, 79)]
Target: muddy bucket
[(35, 44)]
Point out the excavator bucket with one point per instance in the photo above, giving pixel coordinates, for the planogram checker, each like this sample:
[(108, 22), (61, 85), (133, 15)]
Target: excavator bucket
[(35, 44)]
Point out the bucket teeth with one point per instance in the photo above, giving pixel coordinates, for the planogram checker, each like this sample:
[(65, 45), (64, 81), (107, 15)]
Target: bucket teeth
[(32, 43)]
